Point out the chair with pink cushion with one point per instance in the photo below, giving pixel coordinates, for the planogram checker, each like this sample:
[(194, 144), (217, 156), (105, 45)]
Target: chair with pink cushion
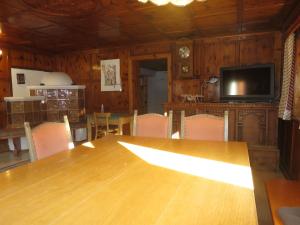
[(48, 139), (204, 127), (152, 125)]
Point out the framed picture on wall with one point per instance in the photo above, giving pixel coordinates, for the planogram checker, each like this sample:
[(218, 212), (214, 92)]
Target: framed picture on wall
[(20, 78), (110, 75)]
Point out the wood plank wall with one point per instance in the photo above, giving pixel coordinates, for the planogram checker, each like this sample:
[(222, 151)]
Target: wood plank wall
[(83, 66), (20, 59), (209, 55)]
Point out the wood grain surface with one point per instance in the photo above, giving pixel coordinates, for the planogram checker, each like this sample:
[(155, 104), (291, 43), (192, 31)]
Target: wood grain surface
[(282, 193), (127, 180)]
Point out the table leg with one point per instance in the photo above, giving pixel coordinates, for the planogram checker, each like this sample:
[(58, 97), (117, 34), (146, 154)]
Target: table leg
[(89, 129), (120, 127), (17, 146)]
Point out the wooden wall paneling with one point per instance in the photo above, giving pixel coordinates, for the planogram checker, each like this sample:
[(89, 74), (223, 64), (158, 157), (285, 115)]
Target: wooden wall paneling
[(214, 54), (5, 83), (258, 49), (265, 49), (30, 60), (151, 48), (217, 54), (186, 86), (78, 66), (84, 68), (44, 62), (198, 55), (5, 90), (4, 64), (278, 59), (22, 59)]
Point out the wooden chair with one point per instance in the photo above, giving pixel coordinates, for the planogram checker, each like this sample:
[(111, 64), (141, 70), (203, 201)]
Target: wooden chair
[(102, 127), (204, 127), (48, 139), (152, 125)]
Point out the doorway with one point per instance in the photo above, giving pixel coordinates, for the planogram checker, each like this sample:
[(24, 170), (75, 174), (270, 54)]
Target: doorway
[(149, 83), (152, 90)]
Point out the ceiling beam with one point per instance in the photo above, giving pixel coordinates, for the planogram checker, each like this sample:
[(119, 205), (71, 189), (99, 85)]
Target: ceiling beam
[(292, 21)]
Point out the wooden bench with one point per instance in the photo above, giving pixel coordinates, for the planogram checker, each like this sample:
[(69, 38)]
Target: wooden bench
[(282, 193)]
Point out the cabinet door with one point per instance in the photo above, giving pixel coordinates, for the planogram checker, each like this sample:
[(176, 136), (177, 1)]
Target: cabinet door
[(251, 126)]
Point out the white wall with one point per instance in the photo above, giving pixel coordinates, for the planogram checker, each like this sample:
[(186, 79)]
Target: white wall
[(32, 77)]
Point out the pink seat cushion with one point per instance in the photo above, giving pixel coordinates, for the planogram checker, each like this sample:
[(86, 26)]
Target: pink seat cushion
[(204, 128), (152, 125), (50, 138)]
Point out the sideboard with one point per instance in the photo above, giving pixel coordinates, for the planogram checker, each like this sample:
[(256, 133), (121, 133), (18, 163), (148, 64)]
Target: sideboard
[(254, 123)]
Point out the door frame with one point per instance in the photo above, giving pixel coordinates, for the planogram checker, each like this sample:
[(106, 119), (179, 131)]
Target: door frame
[(133, 59)]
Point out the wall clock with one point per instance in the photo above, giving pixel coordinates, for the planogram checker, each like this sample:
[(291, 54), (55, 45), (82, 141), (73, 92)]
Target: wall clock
[(184, 52), (184, 58)]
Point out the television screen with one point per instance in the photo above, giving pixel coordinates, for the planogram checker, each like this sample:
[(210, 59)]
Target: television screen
[(251, 83)]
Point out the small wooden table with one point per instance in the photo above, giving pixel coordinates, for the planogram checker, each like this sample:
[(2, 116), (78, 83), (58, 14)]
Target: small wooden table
[(132, 180), (117, 119), (15, 134)]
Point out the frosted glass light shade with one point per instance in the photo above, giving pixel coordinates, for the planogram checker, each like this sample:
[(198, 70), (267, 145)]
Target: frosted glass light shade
[(174, 2)]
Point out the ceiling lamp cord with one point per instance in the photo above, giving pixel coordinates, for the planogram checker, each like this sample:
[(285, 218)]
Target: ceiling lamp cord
[(174, 2)]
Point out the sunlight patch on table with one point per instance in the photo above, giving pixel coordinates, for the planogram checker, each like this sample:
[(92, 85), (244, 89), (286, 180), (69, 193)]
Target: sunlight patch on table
[(88, 144), (206, 168)]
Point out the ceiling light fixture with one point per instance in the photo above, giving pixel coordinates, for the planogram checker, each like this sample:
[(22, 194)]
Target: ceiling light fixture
[(1, 54), (174, 2)]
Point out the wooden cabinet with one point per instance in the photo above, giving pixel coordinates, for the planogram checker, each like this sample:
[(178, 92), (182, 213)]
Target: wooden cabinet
[(254, 123), (251, 126)]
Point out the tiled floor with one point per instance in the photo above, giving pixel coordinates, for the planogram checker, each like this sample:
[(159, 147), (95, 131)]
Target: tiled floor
[(8, 161)]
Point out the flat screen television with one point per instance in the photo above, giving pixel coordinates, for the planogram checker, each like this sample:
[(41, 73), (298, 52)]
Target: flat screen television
[(253, 83)]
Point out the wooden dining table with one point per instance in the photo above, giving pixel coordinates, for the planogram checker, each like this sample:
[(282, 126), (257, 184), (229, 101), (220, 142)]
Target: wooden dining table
[(124, 180), (117, 119)]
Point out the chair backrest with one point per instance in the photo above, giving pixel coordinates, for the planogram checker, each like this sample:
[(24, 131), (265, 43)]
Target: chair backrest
[(152, 125), (204, 127), (101, 119), (48, 138)]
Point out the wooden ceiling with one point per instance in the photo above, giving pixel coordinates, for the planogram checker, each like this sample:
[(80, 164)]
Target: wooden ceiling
[(62, 25)]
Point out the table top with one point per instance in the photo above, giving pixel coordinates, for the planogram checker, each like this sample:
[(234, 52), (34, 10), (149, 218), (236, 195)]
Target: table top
[(132, 180)]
